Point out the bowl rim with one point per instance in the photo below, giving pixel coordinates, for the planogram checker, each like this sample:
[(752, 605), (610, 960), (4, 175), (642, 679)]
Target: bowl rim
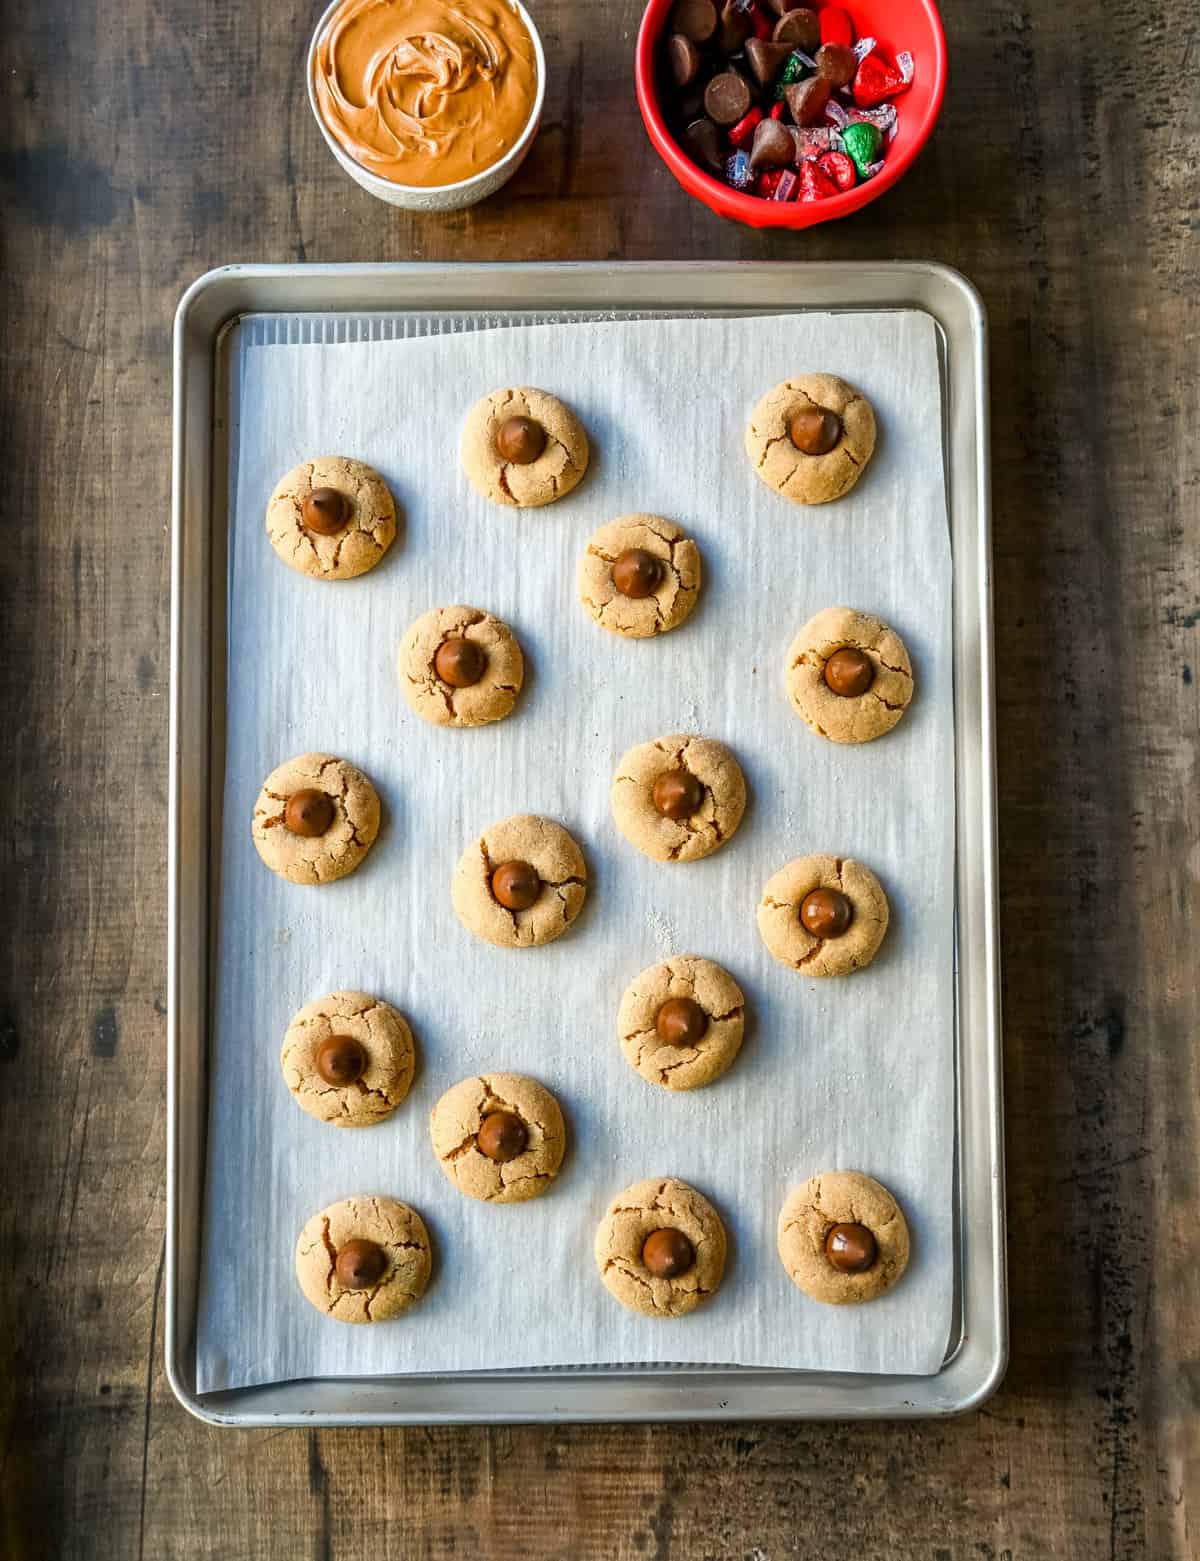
[(375, 182), (754, 209)]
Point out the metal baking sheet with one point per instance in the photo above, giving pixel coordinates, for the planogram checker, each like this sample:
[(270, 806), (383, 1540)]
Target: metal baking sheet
[(499, 296)]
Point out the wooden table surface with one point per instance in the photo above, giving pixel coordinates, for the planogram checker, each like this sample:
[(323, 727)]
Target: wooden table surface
[(147, 141)]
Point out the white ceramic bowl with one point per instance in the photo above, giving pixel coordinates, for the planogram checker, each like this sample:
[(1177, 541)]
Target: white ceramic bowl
[(437, 197)]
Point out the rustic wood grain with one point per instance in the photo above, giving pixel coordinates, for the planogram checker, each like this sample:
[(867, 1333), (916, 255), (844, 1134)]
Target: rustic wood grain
[(149, 140)]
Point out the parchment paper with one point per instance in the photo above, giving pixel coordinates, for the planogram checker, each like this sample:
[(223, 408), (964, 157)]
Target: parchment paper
[(853, 1074)]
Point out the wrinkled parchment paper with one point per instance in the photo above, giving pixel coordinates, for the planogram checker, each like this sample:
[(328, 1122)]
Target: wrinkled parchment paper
[(854, 1074)]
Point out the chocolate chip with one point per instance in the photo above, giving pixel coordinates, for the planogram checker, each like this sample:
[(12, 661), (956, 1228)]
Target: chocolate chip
[(826, 913), (667, 1253), (684, 59), (704, 143), (326, 511), (807, 99), (680, 1022), (799, 28), (459, 661), (360, 1264), (851, 1248), (726, 98), (836, 63), (341, 1059), (695, 19), (773, 146), (520, 440), (308, 812), (637, 574), (678, 794), (815, 430), (765, 60), (849, 672), (502, 1136), (736, 27), (516, 885)]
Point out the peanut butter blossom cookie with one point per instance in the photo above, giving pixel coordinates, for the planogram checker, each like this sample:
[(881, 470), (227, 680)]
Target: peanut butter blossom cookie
[(849, 676), (640, 576), (521, 884), (460, 667), (499, 1138), (810, 438), (315, 819), (332, 518), (660, 1248), (523, 448), (843, 1238), (678, 798), (681, 1022), (364, 1260), (823, 915), (348, 1059)]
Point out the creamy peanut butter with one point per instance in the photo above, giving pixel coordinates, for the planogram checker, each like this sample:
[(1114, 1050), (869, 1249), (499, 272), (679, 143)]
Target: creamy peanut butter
[(425, 92)]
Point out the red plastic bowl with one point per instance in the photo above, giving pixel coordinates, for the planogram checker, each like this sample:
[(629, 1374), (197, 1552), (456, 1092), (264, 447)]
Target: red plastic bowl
[(896, 24)]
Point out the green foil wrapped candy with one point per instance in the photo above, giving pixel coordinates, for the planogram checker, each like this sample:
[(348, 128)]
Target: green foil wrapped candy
[(862, 143), (794, 70)]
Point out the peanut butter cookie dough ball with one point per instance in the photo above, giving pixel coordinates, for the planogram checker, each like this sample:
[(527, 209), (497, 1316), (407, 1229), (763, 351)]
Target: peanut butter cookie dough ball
[(332, 518), (678, 798), (523, 447), (849, 676), (843, 1238), (823, 915), (315, 819), (499, 1138), (660, 1248), (521, 884), (810, 438), (681, 1022), (348, 1058), (364, 1260), (640, 576), (460, 667)]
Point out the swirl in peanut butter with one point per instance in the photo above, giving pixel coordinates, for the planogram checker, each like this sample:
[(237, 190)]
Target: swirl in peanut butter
[(425, 92)]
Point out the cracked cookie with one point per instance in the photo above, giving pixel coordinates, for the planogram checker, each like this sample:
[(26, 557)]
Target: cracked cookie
[(499, 1138), (823, 915), (364, 1259), (315, 819), (842, 1238), (521, 884), (660, 1248), (332, 518), (678, 798), (348, 1059), (640, 576), (523, 447), (849, 676), (460, 667), (681, 1022), (810, 438)]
